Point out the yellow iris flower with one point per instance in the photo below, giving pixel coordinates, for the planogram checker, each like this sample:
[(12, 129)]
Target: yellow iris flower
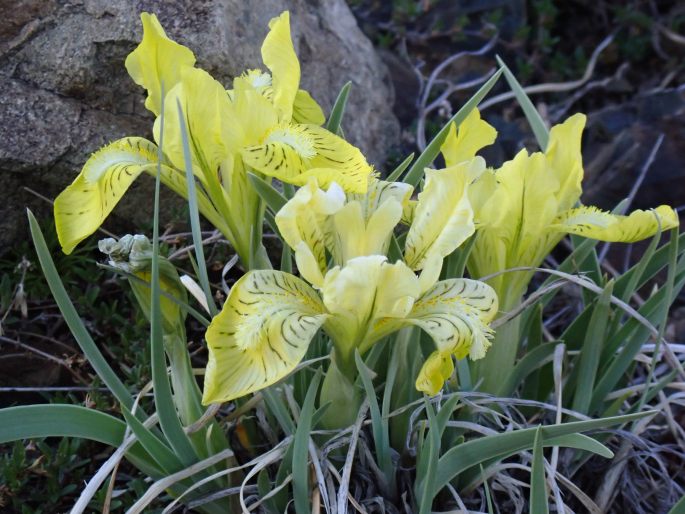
[(265, 124), (524, 208), (288, 143), (270, 317)]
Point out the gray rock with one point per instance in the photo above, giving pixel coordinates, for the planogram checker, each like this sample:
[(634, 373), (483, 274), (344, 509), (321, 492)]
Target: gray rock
[(65, 91)]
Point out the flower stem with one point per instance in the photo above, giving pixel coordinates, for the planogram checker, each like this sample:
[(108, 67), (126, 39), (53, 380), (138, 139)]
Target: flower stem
[(338, 389)]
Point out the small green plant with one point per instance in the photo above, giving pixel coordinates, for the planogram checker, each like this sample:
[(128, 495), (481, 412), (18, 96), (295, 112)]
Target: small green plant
[(374, 333)]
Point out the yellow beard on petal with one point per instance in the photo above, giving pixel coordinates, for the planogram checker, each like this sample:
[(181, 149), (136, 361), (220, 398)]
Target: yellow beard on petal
[(294, 138)]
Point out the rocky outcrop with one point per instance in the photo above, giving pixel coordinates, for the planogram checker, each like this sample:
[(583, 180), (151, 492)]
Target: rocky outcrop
[(64, 91)]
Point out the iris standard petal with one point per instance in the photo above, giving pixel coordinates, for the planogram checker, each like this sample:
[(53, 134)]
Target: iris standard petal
[(305, 218), (462, 144), (357, 236), (443, 218), (207, 112), (279, 56), (156, 60), (366, 298), (565, 160), (306, 110)]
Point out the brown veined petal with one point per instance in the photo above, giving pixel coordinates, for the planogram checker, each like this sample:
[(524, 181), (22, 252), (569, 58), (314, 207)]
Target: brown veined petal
[(260, 335), (456, 313), (597, 224), (336, 160), (284, 154), (296, 153), (83, 206)]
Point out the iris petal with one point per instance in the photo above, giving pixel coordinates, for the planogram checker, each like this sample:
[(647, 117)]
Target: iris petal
[(279, 56), (156, 60), (305, 219), (437, 368), (597, 224), (462, 144), (306, 110), (443, 217), (296, 153), (82, 207), (261, 334), (367, 298), (455, 313)]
